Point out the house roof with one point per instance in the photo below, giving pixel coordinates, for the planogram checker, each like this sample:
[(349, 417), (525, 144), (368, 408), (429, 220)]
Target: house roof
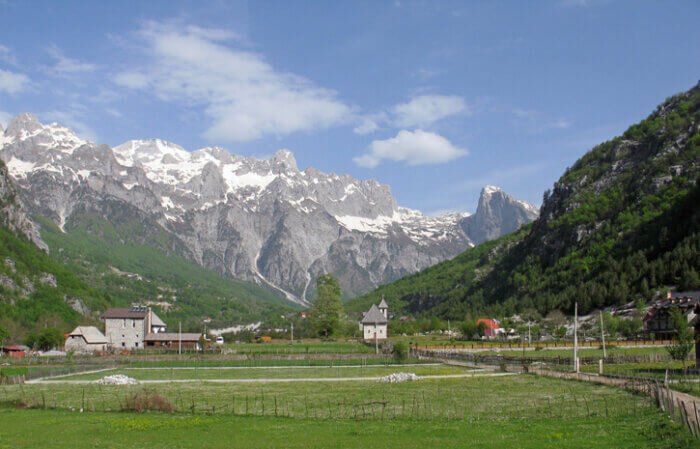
[(374, 316), (490, 324), (126, 312), (383, 304), (173, 336), (683, 300), (91, 334), (155, 320)]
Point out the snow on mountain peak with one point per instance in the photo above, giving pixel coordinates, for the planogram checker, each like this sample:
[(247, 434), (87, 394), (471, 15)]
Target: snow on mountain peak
[(490, 190)]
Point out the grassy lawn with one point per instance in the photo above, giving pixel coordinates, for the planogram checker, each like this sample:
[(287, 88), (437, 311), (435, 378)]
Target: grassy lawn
[(275, 373), (585, 352), (301, 347), (63, 429), (473, 398), (522, 411)]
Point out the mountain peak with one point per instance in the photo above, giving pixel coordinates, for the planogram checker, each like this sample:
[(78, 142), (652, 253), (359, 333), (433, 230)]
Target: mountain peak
[(286, 158), (490, 190), (29, 123)]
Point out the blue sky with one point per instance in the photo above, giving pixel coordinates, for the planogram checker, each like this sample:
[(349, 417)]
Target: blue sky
[(435, 99)]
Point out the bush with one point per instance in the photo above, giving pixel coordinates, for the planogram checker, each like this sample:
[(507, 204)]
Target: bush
[(141, 402), (400, 351)]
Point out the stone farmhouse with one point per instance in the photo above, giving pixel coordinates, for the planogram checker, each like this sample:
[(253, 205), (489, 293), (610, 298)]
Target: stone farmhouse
[(86, 339), (375, 321), (127, 328)]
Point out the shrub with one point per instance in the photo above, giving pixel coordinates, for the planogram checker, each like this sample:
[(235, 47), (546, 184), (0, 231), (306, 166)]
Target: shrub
[(400, 351), (141, 402)]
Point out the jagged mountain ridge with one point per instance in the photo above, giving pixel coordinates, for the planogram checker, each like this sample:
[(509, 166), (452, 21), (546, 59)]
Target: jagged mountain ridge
[(258, 220)]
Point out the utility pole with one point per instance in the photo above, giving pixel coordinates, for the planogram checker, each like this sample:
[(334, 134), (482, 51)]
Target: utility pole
[(376, 343), (602, 333), (179, 338), (576, 337), (292, 332), (529, 334)]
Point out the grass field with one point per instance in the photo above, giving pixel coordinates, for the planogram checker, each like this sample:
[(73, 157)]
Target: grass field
[(471, 398), (62, 429), (521, 411), (269, 372)]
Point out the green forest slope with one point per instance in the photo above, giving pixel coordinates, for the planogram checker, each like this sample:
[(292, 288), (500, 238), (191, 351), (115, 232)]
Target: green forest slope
[(620, 223)]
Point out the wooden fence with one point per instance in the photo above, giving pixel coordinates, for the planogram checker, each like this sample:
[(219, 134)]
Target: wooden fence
[(542, 345)]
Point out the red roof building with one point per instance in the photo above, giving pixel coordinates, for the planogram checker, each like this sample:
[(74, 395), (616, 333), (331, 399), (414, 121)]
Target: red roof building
[(12, 351), (490, 329)]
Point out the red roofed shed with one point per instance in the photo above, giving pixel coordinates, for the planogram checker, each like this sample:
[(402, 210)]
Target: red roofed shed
[(491, 326)]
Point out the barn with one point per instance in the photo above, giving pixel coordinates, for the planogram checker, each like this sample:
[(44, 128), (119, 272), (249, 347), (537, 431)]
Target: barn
[(86, 339)]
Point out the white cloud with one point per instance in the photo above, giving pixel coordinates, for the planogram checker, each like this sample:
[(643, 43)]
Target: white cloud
[(65, 65), (5, 118), (425, 110), (244, 96), (415, 148), (369, 123), (12, 82), (7, 56)]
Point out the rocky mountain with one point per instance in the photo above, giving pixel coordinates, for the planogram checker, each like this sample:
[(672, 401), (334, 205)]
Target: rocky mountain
[(13, 215), (497, 214), (621, 223), (257, 220)]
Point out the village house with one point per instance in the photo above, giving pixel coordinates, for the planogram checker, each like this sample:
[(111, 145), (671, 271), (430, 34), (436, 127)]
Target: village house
[(491, 328), (127, 328), (86, 339), (657, 321), (374, 323)]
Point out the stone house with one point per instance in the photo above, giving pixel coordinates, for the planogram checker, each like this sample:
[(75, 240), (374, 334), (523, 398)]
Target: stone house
[(127, 328), (374, 323), (86, 339)]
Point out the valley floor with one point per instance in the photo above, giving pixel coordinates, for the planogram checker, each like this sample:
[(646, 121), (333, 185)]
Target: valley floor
[(515, 411), (64, 429)]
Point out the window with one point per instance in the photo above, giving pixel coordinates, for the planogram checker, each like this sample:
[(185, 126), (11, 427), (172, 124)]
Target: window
[(137, 344), (133, 323), (123, 344)]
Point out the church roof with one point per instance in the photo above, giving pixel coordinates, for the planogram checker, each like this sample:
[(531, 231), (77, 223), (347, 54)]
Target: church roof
[(374, 316), (383, 304)]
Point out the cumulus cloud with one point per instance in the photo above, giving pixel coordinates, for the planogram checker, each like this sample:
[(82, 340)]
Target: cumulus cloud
[(425, 110), (12, 82), (245, 97), (65, 65), (412, 147)]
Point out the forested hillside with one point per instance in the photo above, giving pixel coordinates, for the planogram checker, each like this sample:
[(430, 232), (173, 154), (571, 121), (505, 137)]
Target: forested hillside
[(620, 223)]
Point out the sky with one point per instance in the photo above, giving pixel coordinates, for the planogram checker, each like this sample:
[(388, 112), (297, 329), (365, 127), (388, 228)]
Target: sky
[(436, 99)]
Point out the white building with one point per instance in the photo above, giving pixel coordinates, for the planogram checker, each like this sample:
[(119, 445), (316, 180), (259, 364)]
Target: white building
[(375, 321), (127, 328), (86, 339)]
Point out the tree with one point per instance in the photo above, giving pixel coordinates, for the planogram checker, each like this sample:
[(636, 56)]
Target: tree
[(46, 339), (4, 335), (681, 347), (469, 329), (326, 308)]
